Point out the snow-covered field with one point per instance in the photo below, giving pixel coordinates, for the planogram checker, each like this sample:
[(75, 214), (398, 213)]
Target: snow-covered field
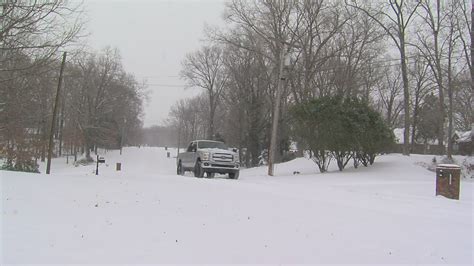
[(383, 214)]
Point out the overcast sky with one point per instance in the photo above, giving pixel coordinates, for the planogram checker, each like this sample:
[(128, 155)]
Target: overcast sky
[(153, 38)]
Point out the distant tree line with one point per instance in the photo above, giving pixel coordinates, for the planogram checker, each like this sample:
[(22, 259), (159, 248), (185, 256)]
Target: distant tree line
[(100, 103), (408, 60), (159, 136)]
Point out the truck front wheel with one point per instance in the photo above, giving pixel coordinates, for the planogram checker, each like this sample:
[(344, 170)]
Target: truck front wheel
[(198, 172), (210, 175), (234, 175)]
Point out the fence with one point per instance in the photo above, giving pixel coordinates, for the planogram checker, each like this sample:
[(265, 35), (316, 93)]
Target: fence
[(465, 149)]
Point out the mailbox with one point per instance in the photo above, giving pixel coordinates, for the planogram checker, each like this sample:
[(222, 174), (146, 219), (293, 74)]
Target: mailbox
[(448, 180), (99, 160)]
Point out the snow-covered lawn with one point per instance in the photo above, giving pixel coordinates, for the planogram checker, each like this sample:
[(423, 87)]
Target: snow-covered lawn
[(383, 214)]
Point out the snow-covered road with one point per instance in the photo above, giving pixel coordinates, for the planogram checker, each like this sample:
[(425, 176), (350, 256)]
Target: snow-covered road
[(384, 214)]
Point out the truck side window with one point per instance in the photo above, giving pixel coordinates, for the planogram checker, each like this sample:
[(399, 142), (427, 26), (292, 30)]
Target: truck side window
[(190, 147), (194, 147)]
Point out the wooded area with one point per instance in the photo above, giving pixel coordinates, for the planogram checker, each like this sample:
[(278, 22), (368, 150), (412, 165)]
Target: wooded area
[(409, 60), (100, 104)]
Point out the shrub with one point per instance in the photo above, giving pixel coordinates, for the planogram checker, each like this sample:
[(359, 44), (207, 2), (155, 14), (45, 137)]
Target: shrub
[(20, 160), (343, 129)]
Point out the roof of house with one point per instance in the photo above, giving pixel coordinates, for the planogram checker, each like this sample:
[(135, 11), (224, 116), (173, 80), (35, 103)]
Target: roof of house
[(465, 136), (398, 132)]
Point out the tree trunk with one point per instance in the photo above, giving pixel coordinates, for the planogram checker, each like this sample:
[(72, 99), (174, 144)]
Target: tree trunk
[(389, 112), (472, 48), (87, 149), (414, 125), (61, 127), (88, 152), (43, 151), (75, 153), (43, 140), (450, 115), (212, 110), (450, 95), (406, 97), (439, 80)]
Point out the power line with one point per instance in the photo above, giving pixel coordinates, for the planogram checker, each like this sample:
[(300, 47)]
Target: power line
[(165, 85), (158, 77)]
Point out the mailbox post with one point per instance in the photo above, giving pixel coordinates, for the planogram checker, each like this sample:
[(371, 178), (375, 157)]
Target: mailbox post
[(99, 160), (448, 180)]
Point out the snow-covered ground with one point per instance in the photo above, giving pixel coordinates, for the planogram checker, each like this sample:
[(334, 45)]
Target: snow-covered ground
[(383, 214)]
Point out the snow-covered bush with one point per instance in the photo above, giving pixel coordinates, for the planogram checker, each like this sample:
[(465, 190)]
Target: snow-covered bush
[(466, 164), (20, 160), (84, 161), (467, 167)]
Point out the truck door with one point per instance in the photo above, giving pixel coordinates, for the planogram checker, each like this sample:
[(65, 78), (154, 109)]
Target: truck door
[(189, 157), (193, 154)]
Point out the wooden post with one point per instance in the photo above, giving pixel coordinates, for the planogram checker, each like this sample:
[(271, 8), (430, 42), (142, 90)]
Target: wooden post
[(276, 115), (55, 110), (97, 166)]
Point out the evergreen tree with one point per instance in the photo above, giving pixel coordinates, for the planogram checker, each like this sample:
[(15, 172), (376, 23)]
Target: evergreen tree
[(334, 127), (429, 123)]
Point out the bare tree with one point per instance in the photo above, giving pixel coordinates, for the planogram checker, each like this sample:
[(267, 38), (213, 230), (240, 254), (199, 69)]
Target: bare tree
[(420, 75), (275, 22), (105, 100), (452, 37), (317, 37), (394, 16), (390, 96), (247, 95), (205, 69), (438, 45), (465, 23), (431, 48), (31, 32), (464, 102), (188, 118), (37, 29)]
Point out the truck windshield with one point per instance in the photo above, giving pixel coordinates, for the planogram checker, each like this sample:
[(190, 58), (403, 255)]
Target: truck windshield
[(211, 145)]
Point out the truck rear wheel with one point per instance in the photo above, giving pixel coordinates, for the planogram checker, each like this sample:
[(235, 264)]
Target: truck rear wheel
[(198, 172), (179, 169)]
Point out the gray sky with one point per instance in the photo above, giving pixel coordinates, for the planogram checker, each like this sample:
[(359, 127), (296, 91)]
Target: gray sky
[(153, 37)]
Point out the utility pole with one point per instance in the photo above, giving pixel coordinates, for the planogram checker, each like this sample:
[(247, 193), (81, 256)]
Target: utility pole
[(276, 114), (55, 110), (61, 124)]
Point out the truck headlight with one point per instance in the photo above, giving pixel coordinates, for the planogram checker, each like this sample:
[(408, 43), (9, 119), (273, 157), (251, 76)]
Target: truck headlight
[(205, 156)]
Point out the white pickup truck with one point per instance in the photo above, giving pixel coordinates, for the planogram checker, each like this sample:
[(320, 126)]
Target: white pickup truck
[(208, 157)]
